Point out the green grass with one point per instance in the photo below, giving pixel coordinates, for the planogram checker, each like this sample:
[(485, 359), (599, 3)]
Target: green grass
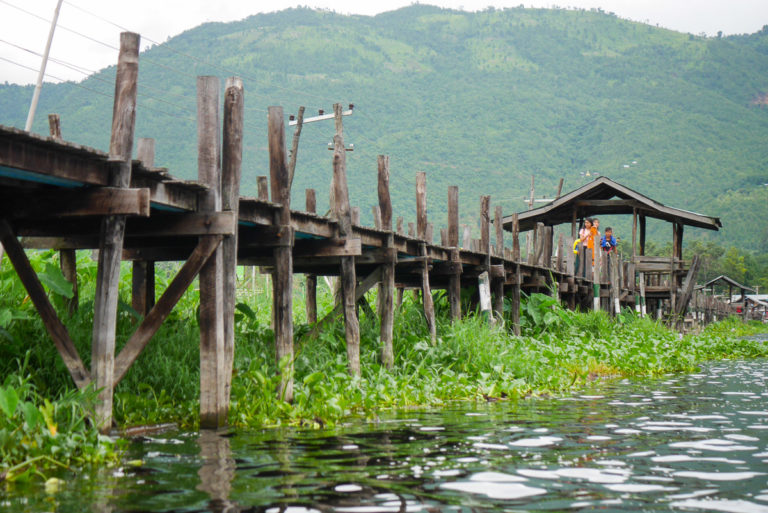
[(559, 351)]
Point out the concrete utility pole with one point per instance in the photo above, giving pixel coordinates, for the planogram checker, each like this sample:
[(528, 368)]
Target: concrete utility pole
[(41, 74)]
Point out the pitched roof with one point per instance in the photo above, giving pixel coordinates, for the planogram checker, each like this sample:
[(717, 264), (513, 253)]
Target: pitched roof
[(729, 281), (598, 197)]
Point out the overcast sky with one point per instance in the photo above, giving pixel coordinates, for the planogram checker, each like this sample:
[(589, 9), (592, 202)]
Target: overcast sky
[(156, 20)]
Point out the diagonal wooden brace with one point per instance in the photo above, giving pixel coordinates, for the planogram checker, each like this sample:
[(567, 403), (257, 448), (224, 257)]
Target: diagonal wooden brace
[(53, 324), (165, 304)]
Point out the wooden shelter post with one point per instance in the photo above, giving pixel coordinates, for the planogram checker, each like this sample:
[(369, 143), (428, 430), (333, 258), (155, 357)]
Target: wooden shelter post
[(113, 230), (421, 233)]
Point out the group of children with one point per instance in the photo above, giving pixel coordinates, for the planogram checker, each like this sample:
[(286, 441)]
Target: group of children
[(590, 233)]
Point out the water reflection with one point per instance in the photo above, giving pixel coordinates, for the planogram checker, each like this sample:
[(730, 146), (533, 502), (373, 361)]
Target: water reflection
[(683, 443), (217, 470)]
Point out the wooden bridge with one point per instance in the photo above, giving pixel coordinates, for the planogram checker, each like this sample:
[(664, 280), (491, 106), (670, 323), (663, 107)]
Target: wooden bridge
[(67, 197)]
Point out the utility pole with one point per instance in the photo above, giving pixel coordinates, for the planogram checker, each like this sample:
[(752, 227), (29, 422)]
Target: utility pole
[(41, 74)]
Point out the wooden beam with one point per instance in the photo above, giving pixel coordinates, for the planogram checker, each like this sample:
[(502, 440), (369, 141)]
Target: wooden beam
[(184, 224), (327, 248), (51, 321), (497, 221), (102, 201), (113, 230), (160, 311)]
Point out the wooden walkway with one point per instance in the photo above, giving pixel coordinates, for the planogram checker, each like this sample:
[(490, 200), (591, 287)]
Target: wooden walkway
[(64, 196)]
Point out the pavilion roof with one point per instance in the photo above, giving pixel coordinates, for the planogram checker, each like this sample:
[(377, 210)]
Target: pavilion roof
[(604, 196)]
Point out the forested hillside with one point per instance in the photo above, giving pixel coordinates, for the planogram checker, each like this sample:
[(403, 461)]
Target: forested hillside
[(481, 100)]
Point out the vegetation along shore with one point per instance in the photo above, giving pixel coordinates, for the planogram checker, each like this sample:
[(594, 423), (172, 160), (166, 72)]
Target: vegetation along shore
[(44, 420)]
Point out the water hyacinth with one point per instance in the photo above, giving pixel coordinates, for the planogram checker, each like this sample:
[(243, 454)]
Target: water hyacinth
[(471, 361)]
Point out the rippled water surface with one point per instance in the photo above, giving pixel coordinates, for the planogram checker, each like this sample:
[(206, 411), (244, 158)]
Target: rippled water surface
[(685, 443)]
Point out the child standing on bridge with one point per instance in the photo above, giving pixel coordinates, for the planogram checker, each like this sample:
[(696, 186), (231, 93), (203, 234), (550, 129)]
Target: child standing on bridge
[(608, 242)]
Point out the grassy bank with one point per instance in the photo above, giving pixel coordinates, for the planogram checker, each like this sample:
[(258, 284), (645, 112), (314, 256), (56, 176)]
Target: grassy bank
[(559, 350)]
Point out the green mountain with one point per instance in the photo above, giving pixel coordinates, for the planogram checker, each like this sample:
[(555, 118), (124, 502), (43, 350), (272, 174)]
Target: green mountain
[(480, 100)]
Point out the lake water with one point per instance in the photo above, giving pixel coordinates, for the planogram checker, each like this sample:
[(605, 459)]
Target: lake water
[(694, 442)]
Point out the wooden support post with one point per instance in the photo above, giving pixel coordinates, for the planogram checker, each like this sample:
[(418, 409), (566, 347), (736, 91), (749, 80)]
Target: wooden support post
[(231, 165), (426, 294), (454, 285), (263, 185), (344, 217), (518, 277), (444, 237), (113, 230), (400, 225), (67, 257), (596, 275), (560, 254), (485, 228), (421, 205), (634, 234), (212, 355), (484, 290), (355, 216), (282, 283), (613, 263), (467, 237), (428, 234), (498, 223), (376, 211), (411, 230), (387, 286), (641, 245), (143, 275), (559, 188), (295, 146), (311, 283)]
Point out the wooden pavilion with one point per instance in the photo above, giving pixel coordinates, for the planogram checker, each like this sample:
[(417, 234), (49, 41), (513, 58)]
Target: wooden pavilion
[(660, 278)]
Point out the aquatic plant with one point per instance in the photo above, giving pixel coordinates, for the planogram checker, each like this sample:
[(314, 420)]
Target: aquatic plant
[(472, 360)]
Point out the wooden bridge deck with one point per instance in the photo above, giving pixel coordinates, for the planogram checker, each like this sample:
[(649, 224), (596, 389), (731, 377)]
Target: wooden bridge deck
[(64, 196)]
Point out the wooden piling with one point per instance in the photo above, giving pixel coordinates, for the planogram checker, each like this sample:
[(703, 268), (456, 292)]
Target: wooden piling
[(426, 294), (212, 355), (231, 171), (282, 283), (454, 285), (113, 230), (263, 188), (67, 257), (518, 277), (143, 274), (421, 205), (387, 287), (344, 218), (498, 224), (311, 279)]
